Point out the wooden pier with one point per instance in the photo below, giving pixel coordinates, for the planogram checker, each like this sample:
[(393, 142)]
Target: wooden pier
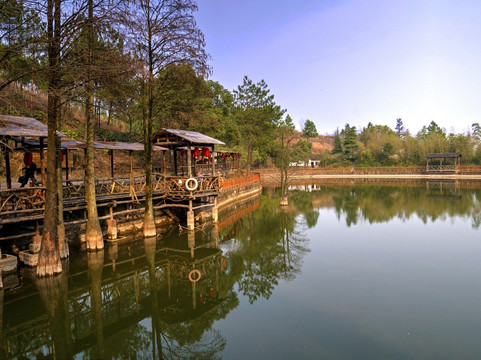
[(188, 175)]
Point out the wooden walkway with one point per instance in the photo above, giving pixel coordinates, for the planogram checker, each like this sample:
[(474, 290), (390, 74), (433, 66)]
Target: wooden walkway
[(118, 196)]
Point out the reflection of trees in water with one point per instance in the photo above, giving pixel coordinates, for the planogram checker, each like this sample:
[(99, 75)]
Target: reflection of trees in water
[(377, 204), (269, 248), (476, 211), (303, 202)]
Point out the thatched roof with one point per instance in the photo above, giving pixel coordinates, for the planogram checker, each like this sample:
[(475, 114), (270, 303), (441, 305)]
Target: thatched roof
[(23, 127), (175, 137)]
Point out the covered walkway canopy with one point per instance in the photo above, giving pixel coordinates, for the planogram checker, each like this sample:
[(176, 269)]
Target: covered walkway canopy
[(30, 134), (18, 129), (446, 162), (196, 150)]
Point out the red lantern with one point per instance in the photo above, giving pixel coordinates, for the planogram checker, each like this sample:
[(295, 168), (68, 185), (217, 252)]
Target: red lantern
[(195, 154), (182, 152), (27, 158), (205, 152), (223, 157)]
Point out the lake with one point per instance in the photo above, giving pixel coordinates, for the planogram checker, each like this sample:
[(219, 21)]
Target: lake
[(346, 271)]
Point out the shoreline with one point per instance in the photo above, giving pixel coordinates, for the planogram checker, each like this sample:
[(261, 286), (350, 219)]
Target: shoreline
[(390, 176)]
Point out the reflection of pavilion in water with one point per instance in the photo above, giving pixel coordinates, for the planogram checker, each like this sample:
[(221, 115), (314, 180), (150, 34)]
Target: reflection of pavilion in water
[(132, 283), (443, 188)]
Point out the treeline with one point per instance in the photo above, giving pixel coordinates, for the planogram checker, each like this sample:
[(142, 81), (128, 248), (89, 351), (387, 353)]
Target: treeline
[(380, 145)]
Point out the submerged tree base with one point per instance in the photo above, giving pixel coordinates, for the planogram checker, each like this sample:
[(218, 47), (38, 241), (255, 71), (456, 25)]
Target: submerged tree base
[(149, 227)]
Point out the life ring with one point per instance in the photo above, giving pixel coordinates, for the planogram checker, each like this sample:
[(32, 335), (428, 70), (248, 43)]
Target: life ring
[(191, 184), (195, 271)]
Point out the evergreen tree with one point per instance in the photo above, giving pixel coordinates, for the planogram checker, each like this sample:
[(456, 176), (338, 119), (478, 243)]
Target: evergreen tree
[(309, 129), (399, 127), (350, 145), (257, 116), (337, 149)]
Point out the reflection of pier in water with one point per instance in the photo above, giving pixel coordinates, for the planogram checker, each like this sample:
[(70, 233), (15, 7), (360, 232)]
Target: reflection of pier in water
[(92, 305)]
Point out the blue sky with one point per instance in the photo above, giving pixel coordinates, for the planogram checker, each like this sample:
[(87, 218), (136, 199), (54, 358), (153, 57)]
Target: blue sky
[(353, 61)]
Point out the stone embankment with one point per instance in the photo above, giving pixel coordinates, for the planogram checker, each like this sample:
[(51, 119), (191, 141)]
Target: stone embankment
[(236, 189), (408, 172)]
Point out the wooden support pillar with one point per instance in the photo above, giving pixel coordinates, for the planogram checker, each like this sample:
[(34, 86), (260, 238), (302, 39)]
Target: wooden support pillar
[(111, 153), (66, 164), (36, 241), (189, 161), (213, 160), (112, 226), (175, 162), (7, 169), (42, 161), (164, 163), (215, 212), (131, 174), (190, 217)]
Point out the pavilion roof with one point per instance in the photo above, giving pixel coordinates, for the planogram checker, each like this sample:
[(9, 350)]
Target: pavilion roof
[(176, 137), (443, 155), (23, 127)]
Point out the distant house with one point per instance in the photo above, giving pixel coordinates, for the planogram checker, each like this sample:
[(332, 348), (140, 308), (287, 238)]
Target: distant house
[(310, 163)]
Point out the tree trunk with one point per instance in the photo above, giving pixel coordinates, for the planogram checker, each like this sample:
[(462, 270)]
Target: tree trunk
[(62, 243), (49, 258), (93, 234), (149, 222)]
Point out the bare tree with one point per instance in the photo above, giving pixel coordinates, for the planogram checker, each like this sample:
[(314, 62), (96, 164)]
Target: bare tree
[(93, 232), (165, 32)]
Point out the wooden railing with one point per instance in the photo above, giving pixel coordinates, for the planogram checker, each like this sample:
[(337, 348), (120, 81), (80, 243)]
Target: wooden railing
[(441, 168), (21, 200), (176, 186)]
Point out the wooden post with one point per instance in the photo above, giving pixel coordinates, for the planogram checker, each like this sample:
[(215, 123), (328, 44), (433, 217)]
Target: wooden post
[(7, 169), (190, 217), (42, 160), (111, 153), (189, 161), (175, 162), (213, 160), (66, 164), (112, 226), (131, 175), (215, 213), (163, 163)]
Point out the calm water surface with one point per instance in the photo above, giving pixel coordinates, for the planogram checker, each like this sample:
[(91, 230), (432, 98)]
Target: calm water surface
[(345, 272)]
